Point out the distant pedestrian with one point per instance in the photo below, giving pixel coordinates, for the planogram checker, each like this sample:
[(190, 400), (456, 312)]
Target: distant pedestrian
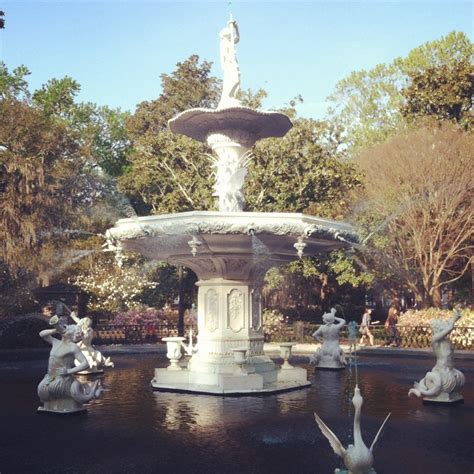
[(391, 327), (365, 327)]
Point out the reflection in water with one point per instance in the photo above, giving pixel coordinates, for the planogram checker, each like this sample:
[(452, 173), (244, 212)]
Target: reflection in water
[(194, 413), (133, 429)]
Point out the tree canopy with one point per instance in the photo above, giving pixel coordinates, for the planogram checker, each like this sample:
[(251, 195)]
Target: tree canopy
[(368, 104), (417, 209)]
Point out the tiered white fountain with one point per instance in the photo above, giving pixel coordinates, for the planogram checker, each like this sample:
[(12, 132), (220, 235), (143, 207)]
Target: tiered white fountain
[(229, 250)]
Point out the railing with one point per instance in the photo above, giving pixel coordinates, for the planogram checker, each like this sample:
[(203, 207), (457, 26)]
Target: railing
[(135, 334), (301, 332), (409, 336)]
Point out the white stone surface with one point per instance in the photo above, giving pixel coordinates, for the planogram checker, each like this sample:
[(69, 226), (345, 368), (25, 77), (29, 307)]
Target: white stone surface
[(59, 390), (330, 355), (443, 382), (357, 457), (229, 250), (229, 329), (96, 360), (229, 37)]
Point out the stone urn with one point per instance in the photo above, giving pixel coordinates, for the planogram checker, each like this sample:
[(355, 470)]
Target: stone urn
[(240, 357), (285, 353), (173, 353)]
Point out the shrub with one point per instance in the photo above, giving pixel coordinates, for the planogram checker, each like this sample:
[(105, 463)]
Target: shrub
[(462, 336), (274, 324), (143, 316), (423, 317), (23, 332)]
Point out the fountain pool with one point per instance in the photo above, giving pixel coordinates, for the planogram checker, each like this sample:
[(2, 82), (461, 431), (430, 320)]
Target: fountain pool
[(132, 429)]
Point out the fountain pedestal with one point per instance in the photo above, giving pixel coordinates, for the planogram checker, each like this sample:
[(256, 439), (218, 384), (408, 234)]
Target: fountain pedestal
[(229, 319)]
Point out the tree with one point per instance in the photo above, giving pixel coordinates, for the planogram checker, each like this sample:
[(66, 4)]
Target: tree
[(367, 104), (443, 92), (168, 173), (36, 162), (305, 171), (190, 85), (13, 85), (418, 209), (99, 129)]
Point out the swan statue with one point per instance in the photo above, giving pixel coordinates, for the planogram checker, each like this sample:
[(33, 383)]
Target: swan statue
[(357, 458)]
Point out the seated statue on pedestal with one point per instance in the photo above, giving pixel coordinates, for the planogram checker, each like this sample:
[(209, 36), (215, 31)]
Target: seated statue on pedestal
[(443, 382), (59, 391), (329, 355)]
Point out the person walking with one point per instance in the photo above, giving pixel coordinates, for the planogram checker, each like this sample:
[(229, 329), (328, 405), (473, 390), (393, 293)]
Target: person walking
[(365, 327), (391, 327)]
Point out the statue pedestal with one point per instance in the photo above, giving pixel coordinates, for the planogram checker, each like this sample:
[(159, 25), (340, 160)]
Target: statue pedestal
[(62, 406), (328, 363), (444, 398), (345, 471)]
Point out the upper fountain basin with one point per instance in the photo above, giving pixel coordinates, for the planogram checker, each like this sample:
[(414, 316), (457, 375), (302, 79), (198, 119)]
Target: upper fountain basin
[(230, 245), (242, 124)]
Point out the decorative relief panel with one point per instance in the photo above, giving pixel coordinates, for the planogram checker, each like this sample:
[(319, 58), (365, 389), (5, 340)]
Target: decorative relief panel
[(235, 310), (235, 264), (205, 263), (256, 309), (211, 313)]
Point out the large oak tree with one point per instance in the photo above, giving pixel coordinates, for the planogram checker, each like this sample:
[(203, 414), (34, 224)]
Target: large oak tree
[(418, 208)]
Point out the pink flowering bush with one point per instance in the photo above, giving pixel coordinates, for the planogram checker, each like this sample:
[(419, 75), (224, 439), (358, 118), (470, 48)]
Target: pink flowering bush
[(142, 316)]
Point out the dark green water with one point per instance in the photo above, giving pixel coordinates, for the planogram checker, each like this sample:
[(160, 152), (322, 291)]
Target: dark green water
[(135, 430)]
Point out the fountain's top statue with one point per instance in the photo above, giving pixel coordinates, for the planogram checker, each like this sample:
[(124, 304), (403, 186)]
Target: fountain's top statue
[(230, 129), (229, 36)]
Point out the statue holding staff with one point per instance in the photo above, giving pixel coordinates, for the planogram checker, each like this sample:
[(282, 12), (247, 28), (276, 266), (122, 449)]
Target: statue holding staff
[(229, 37)]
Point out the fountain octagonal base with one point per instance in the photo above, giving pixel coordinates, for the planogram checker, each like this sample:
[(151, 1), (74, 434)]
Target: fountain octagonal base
[(228, 384)]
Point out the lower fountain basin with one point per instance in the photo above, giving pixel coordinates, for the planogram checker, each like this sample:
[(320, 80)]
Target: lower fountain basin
[(135, 429)]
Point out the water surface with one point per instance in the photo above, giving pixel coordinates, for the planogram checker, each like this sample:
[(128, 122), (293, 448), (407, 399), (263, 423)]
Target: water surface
[(133, 429)]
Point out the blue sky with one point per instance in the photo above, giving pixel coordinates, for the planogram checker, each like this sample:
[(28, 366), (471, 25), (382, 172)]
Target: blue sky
[(117, 50)]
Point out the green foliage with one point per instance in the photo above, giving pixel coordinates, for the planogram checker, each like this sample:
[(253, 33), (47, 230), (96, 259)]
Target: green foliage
[(252, 99), (13, 85), (346, 271), (168, 173), (22, 332), (190, 85), (302, 172), (273, 279), (56, 97), (367, 104), (443, 92)]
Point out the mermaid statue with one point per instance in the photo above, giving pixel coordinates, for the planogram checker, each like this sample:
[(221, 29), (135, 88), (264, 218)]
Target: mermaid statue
[(329, 355), (59, 390), (443, 382), (97, 361)]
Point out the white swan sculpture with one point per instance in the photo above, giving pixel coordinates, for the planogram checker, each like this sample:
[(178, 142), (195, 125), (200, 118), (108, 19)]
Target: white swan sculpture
[(357, 458)]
